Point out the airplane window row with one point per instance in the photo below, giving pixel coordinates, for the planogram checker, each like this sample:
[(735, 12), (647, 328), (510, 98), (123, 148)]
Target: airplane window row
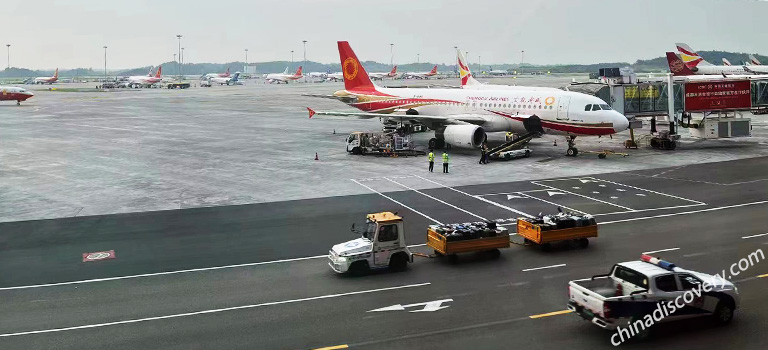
[(505, 105)]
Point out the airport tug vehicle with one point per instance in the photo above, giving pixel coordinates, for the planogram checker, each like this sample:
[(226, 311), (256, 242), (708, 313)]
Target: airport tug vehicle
[(650, 286), (382, 244)]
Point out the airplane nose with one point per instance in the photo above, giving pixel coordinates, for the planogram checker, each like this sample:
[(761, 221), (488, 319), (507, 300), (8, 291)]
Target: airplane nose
[(620, 122)]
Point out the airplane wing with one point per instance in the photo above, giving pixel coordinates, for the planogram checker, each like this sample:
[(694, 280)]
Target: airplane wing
[(455, 119)]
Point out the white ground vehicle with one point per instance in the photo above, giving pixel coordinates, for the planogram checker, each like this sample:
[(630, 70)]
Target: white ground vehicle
[(515, 153), (635, 289), (382, 245)]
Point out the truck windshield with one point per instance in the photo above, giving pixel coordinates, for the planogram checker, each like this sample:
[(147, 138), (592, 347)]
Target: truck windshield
[(370, 230)]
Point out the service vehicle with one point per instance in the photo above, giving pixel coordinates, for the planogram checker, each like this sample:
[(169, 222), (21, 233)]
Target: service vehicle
[(381, 144), (548, 229), (382, 244), (177, 85), (515, 153), (634, 289)]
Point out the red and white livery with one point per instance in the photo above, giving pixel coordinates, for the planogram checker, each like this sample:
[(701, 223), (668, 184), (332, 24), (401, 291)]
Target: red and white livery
[(13, 93), (48, 80)]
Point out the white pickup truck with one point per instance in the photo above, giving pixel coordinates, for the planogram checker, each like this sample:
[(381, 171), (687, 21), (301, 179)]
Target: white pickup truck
[(635, 289)]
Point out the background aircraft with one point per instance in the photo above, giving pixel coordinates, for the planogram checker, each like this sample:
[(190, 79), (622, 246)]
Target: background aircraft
[(12, 93), (283, 77), (233, 80), (422, 75), (381, 76), (146, 80), (218, 75), (48, 80), (698, 65)]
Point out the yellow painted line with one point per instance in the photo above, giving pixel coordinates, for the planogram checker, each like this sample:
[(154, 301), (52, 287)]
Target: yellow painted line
[(344, 346), (562, 312), (761, 276)]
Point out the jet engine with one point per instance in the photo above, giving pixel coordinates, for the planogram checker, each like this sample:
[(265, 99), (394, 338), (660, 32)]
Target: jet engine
[(462, 135)]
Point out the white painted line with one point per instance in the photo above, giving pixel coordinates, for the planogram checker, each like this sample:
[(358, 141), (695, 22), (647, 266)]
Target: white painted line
[(660, 250), (651, 209), (439, 200), (478, 197), (392, 199), (212, 311), (565, 179), (553, 203), (683, 213), (576, 194), (642, 189), (544, 267), (506, 193), (752, 236)]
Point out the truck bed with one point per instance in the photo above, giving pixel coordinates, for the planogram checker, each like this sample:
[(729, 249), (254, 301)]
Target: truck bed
[(439, 243), (534, 232)]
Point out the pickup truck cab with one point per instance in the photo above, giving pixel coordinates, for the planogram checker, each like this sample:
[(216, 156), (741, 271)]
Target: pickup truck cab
[(381, 245), (635, 289)]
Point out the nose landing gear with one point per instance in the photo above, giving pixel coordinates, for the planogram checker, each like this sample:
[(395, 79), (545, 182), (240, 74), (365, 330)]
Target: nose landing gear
[(572, 150)]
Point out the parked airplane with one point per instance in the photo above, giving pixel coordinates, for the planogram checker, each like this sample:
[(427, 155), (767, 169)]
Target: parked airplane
[(678, 68), (48, 80), (461, 117), (12, 93), (381, 76), (754, 61), (233, 80), (218, 75), (146, 80), (468, 81), (726, 62), (422, 75), (283, 77), (698, 65)]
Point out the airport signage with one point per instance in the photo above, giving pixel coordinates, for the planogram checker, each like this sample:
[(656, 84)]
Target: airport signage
[(718, 95)]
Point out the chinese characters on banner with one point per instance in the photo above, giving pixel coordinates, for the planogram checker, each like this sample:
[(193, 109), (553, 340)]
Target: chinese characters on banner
[(718, 95)]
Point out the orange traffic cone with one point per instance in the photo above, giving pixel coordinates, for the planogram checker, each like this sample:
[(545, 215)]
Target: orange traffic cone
[(316, 158)]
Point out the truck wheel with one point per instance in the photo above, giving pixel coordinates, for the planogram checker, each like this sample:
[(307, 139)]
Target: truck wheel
[(527, 154), (359, 268), (453, 258), (583, 243), (438, 253), (723, 313), (601, 155), (494, 254), (546, 247), (398, 262)]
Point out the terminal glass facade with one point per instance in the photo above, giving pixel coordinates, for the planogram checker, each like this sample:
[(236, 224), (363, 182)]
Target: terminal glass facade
[(650, 98)]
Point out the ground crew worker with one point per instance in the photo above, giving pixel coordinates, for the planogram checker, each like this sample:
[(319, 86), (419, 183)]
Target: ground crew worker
[(431, 157), (445, 162)]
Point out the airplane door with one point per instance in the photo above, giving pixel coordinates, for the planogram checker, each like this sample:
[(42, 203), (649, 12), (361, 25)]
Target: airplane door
[(562, 108)]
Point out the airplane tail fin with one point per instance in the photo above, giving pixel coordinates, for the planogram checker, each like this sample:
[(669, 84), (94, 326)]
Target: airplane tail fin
[(394, 70), (753, 60), (56, 73), (690, 57), (355, 76), (235, 77), (726, 62), (464, 73), (159, 73), (149, 74), (298, 71), (434, 70), (227, 72), (677, 66)]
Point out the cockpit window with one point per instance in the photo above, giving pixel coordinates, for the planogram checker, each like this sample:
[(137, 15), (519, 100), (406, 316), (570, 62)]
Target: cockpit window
[(605, 107), (595, 107), (588, 108)]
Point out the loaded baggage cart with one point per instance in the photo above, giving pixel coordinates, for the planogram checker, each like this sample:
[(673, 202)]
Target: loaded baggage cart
[(547, 229)]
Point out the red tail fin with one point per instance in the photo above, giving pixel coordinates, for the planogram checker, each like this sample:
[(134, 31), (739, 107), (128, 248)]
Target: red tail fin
[(355, 76), (159, 73), (434, 70), (298, 71), (56, 73), (676, 65), (227, 72), (394, 70)]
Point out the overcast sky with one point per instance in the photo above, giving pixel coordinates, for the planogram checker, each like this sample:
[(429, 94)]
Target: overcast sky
[(45, 34)]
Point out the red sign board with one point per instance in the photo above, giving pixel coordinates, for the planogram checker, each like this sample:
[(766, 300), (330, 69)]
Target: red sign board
[(718, 95)]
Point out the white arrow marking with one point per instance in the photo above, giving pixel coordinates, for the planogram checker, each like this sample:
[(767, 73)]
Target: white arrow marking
[(641, 195), (576, 187), (429, 306), (595, 192), (552, 193), (620, 190), (601, 185), (586, 180), (614, 197), (510, 196)]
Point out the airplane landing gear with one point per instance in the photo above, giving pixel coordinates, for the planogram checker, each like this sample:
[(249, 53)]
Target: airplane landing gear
[(572, 150), (435, 143), (18, 103)]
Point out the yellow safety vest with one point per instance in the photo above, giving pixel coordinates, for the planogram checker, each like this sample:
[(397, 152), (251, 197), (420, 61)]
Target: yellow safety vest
[(431, 157), (445, 157)]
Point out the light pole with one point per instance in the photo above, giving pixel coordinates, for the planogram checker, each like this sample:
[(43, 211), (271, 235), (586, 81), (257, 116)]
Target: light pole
[(178, 63), (105, 62), (522, 59), (418, 58), (305, 58), (391, 54), (182, 59), (245, 69), (466, 54), (174, 57), (456, 69), (479, 64), (8, 46), (291, 57)]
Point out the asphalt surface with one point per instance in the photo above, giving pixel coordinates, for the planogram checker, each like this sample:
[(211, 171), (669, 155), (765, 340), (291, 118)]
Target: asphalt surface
[(284, 296)]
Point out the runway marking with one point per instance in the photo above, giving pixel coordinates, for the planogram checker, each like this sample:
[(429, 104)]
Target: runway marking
[(693, 254), (763, 276), (439, 200), (554, 313), (580, 195), (651, 209), (699, 181), (660, 250), (478, 197), (212, 311), (553, 203), (752, 236), (505, 193), (684, 212), (654, 192), (394, 200), (543, 267), (343, 346)]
